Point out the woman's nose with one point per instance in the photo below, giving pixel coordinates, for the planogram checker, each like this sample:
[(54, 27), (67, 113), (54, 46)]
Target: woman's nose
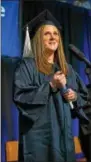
[(52, 36)]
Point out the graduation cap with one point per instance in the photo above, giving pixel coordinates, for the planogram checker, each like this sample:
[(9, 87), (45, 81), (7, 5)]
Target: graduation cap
[(44, 18)]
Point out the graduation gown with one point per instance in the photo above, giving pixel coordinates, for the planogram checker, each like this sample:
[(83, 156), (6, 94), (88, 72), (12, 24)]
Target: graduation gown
[(45, 117)]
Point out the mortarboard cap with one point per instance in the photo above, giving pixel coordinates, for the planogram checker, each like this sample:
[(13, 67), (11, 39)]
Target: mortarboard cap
[(44, 18)]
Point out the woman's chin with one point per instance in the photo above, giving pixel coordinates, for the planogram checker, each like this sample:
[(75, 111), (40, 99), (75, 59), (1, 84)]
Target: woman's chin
[(52, 49)]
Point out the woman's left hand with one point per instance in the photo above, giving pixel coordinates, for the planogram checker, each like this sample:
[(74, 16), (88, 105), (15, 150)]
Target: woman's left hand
[(70, 95)]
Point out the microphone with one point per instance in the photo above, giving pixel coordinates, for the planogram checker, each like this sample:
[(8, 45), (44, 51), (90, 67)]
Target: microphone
[(64, 89), (79, 54)]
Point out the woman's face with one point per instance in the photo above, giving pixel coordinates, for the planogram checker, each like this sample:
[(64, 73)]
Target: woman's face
[(50, 38)]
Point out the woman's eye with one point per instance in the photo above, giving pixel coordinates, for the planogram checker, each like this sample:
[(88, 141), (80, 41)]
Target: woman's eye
[(46, 33), (56, 33)]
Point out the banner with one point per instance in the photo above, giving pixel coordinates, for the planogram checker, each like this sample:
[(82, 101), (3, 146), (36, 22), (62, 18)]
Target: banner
[(79, 3), (10, 41)]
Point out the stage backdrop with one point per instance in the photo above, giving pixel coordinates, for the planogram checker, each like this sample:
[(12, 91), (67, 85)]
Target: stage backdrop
[(10, 46)]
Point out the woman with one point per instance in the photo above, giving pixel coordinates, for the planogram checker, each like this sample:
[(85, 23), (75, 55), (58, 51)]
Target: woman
[(41, 95)]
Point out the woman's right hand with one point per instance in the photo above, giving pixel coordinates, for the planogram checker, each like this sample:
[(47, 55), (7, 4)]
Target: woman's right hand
[(58, 80)]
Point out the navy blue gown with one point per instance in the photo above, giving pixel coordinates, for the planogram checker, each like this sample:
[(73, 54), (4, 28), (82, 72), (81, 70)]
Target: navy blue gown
[(45, 119)]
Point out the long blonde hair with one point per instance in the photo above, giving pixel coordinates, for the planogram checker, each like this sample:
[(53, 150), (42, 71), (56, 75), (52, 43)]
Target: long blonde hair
[(41, 58)]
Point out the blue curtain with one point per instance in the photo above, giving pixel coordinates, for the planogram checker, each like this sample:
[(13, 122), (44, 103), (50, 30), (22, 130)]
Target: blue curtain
[(10, 50)]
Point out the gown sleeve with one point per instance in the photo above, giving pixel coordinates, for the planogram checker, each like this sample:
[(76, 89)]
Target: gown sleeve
[(26, 91), (82, 95)]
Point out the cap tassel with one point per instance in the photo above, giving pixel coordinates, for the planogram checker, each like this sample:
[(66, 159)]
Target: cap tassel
[(27, 51)]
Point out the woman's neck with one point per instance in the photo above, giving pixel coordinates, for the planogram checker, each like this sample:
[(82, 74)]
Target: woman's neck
[(51, 57)]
